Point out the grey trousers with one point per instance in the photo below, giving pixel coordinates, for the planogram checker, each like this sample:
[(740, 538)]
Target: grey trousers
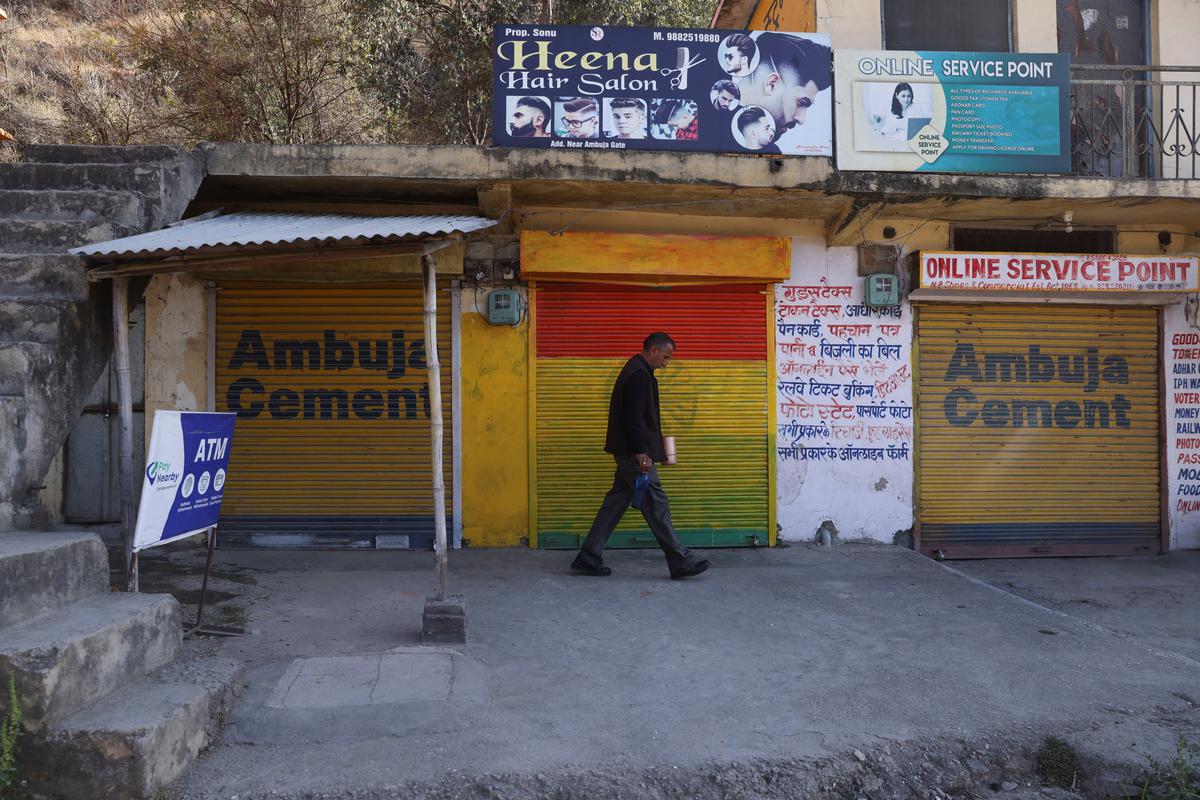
[(655, 508)]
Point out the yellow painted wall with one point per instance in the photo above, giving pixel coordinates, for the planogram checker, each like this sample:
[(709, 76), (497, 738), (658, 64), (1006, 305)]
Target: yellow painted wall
[(495, 429), (911, 234), (1144, 240), (540, 218), (655, 255), (797, 16)]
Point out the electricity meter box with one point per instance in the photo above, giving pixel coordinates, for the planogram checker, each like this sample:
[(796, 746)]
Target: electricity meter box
[(882, 290), (503, 307)]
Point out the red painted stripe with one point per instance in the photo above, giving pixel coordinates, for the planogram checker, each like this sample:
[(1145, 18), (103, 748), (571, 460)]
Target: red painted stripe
[(706, 322)]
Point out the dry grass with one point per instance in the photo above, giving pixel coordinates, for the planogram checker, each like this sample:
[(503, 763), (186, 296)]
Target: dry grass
[(64, 77), (74, 71)]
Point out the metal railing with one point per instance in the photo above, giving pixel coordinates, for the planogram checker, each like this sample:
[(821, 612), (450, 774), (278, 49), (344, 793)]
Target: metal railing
[(1130, 122)]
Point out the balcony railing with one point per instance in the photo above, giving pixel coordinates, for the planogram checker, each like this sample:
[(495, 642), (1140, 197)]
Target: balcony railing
[(1135, 121)]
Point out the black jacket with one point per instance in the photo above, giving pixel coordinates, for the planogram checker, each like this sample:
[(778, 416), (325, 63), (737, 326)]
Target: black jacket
[(634, 422)]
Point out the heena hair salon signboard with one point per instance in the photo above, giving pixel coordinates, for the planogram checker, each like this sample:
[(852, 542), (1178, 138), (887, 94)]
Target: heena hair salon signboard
[(612, 88), (907, 111)]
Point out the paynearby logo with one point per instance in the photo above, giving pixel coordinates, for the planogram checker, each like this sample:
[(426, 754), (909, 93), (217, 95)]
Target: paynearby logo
[(161, 475)]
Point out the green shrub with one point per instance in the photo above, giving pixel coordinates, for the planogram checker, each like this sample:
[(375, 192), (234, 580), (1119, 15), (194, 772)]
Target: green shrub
[(1057, 763), (1178, 780), (10, 733)]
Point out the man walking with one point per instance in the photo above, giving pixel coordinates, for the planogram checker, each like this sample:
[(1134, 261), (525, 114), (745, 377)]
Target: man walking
[(635, 441)]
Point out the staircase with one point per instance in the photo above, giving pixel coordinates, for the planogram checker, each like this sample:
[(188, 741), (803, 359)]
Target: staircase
[(109, 713), (55, 327)]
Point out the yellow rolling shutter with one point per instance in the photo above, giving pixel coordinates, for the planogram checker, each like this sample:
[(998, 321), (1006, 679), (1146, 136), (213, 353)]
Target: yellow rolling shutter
[(331, 446), (1038, 430)]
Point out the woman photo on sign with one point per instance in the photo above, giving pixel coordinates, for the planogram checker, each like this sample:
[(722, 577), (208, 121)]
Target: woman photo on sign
[(904, 108)]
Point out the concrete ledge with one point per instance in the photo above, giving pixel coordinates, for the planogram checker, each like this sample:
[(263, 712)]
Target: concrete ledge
[(66, 660), (485, 164), (42, 572), (444, 621), (100, 154)]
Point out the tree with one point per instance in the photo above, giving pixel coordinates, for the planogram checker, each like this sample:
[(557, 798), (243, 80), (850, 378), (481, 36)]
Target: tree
[(254, 70), (429, 62)]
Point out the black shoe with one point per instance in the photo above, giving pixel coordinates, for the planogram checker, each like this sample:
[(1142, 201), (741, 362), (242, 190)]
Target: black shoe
[(692, 571), (587, 569)]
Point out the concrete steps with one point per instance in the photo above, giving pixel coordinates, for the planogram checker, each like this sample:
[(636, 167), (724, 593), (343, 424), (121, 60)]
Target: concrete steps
[(143, 178), (36, 236), (69, 658), (42, 572), (43, 276), (107, 709), (138, 739), (122, 208), (61, 197), (36, 319)]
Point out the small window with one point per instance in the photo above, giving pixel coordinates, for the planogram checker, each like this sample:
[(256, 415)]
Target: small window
[(979, 26)]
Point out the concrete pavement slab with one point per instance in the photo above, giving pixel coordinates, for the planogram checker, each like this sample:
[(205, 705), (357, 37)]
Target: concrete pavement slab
[(1147, 597), (781, 662), (363, 680)]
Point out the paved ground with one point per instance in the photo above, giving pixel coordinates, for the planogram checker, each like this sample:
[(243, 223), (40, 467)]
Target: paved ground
[(773, 660), (1154, 599)]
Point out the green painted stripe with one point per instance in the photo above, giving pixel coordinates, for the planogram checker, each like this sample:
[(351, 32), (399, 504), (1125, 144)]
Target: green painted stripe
[(714, 537)]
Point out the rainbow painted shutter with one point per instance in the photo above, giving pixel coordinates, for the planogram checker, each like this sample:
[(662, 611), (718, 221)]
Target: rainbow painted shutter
[(714, 401)]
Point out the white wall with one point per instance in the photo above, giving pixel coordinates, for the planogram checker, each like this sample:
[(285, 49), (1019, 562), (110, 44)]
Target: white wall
[(821, 437), (852, 24), (1035, 26)]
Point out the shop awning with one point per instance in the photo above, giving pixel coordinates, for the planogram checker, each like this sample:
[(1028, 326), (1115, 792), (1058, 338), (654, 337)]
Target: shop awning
[(245, 228), (250, 239)]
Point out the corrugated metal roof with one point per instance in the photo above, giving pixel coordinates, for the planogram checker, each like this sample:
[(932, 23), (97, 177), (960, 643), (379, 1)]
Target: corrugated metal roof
[(273, 227)]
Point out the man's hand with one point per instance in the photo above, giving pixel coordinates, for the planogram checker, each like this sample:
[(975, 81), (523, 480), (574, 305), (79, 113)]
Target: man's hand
[(644, 462)]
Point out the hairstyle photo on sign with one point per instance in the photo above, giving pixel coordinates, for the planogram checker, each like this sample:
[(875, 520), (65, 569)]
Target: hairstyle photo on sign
[(725, 95), (577, 117), (738, 55), (754, 129), (624, 118), (895, 111), (529, 115), (791, 83), (675, 118)]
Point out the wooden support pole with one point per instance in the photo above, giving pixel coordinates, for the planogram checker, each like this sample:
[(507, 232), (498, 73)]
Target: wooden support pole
[(429, 263), (120, 299)]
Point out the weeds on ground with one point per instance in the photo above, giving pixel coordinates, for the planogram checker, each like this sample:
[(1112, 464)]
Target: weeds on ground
[(10, 732), (233, 615), (1057, 763), (1177, 780)]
